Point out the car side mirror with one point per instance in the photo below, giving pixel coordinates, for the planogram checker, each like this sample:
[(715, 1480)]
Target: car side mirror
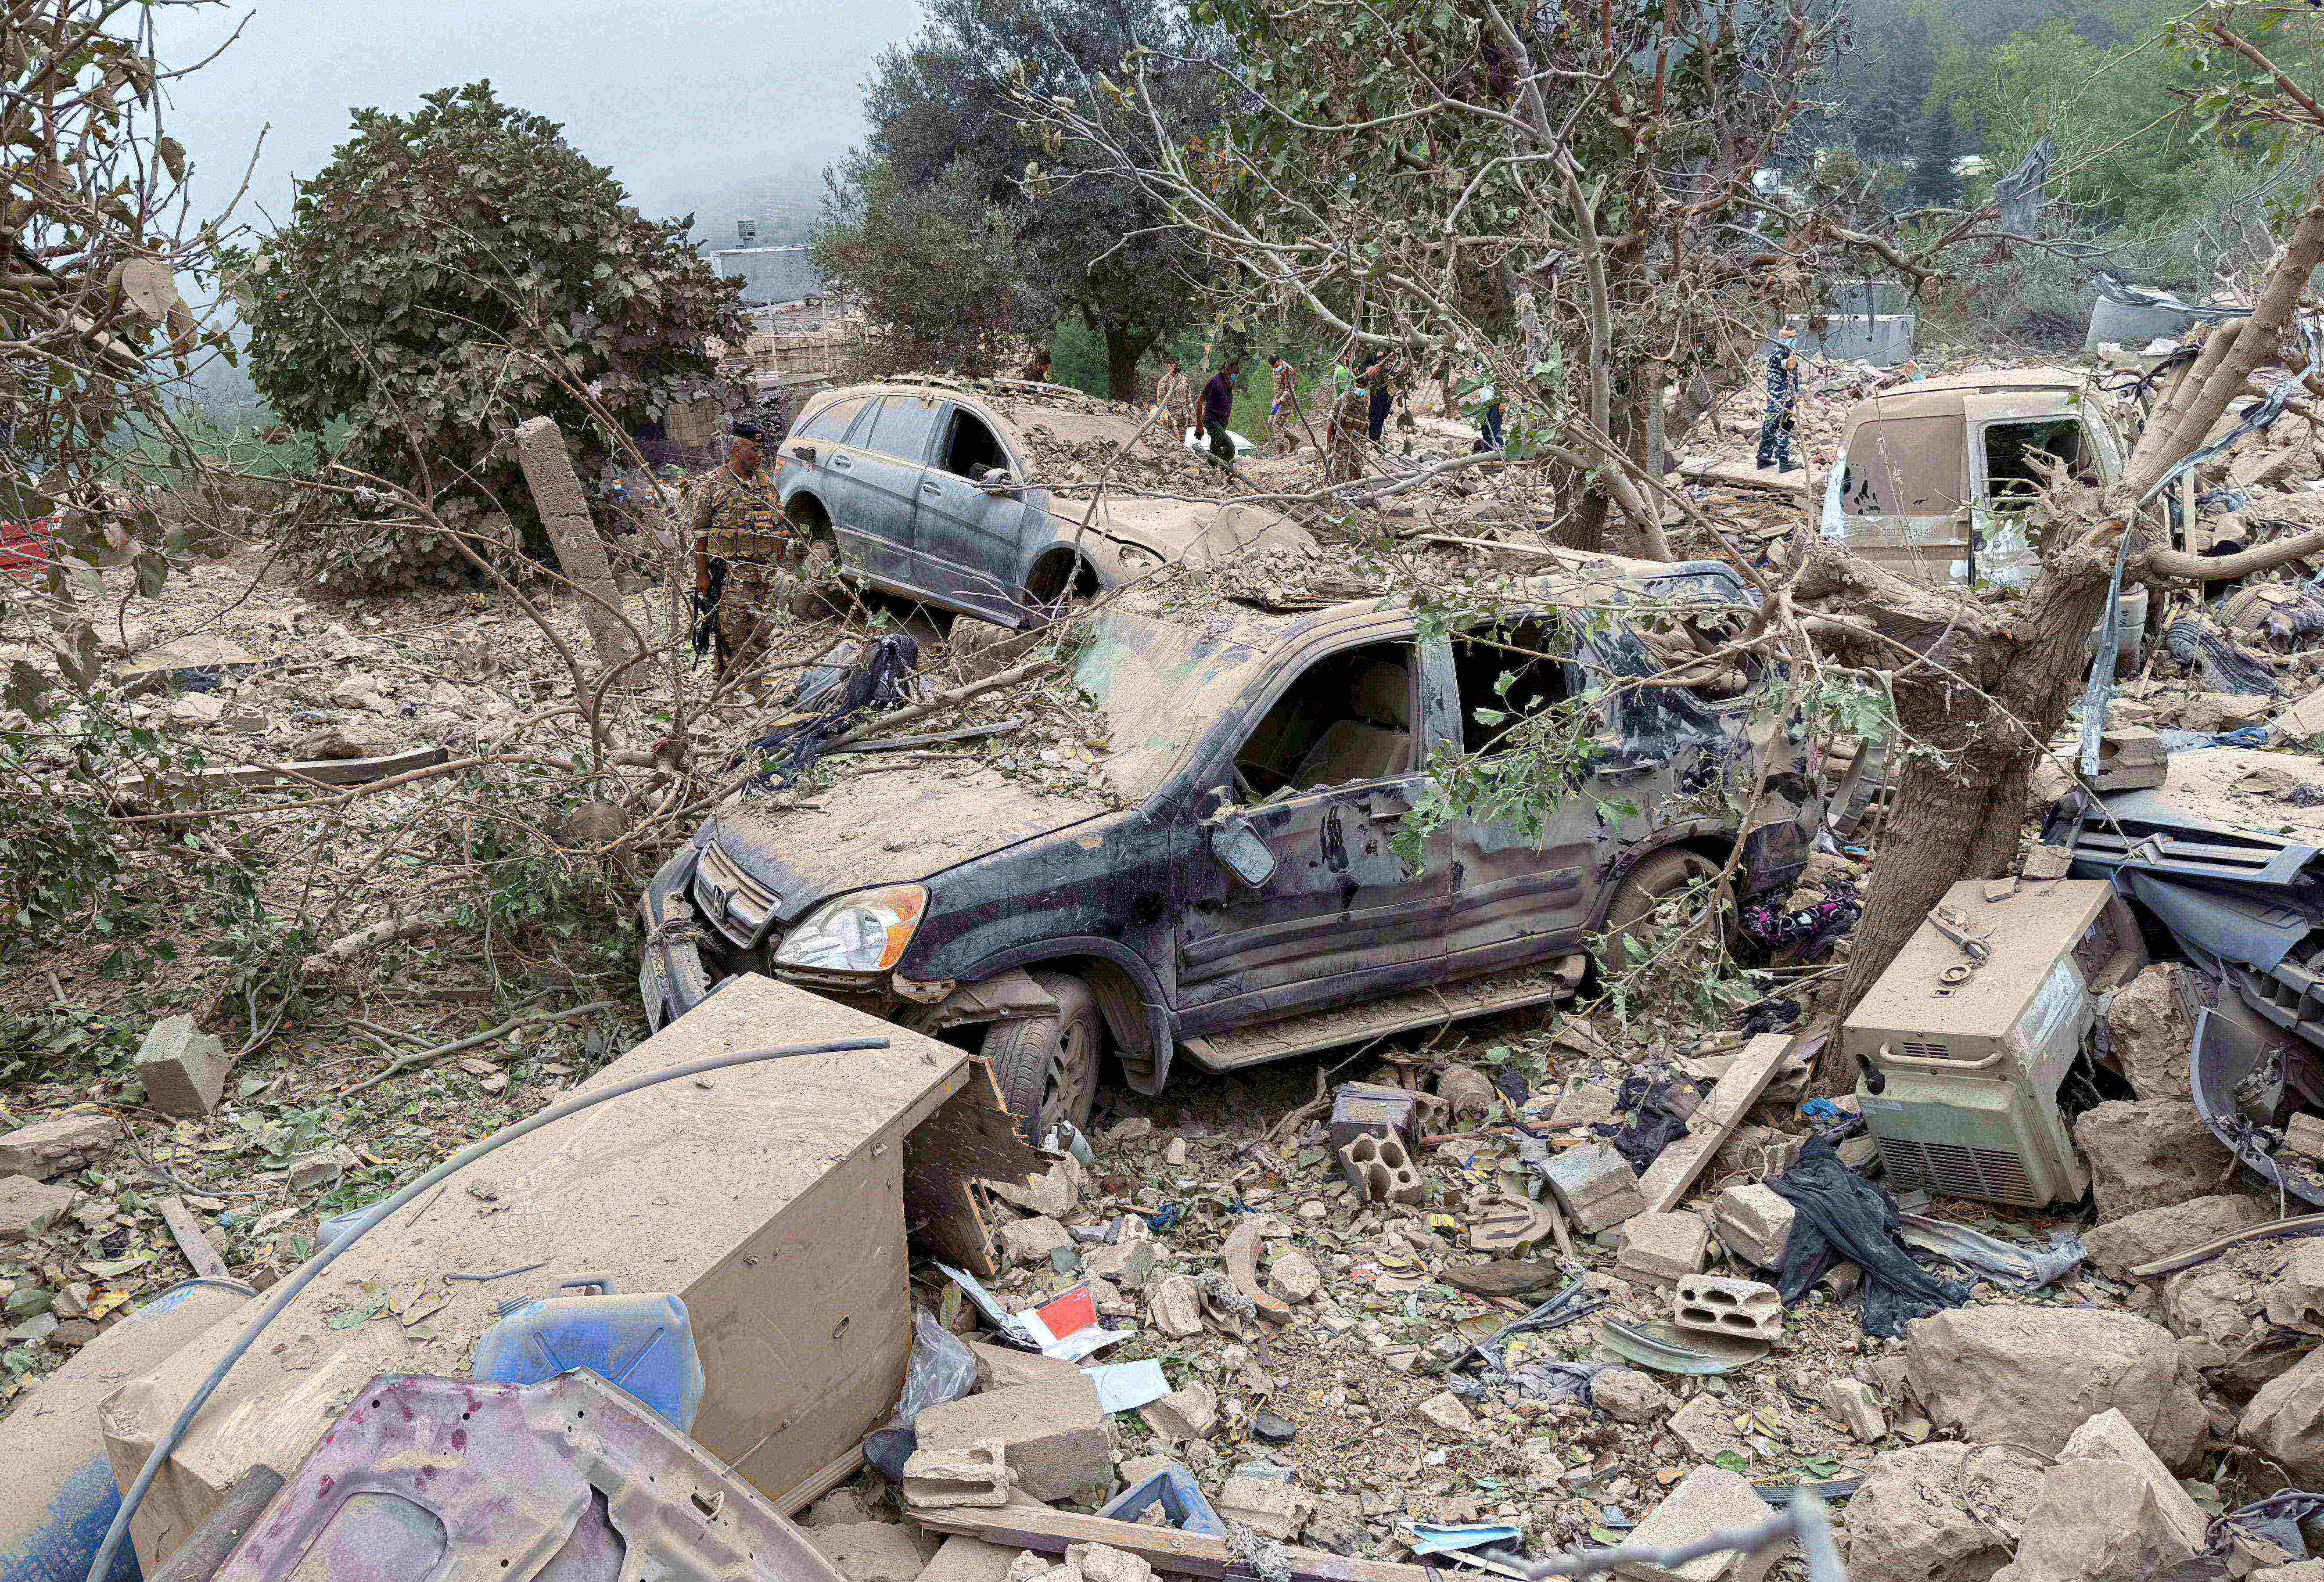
[(1242, 852)]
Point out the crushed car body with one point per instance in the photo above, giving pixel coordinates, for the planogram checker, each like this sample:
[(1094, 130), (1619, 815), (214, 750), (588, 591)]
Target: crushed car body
[(1244, 855)]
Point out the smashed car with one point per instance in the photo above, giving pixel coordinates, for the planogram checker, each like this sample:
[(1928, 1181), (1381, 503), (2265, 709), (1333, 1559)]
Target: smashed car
[(932, 491), (1230, 885)]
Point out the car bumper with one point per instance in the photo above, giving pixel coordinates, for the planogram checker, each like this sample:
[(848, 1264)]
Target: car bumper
[(672, 977)]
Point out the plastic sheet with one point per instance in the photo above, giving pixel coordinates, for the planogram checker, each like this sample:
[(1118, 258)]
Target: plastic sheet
[(942, 1368), (1843, 1216)]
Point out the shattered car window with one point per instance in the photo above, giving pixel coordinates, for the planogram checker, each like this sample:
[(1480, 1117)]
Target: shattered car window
[(1158, 686), (1905, 467)]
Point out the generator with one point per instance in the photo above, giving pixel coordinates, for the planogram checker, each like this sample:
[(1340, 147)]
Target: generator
[(1966, 1039)]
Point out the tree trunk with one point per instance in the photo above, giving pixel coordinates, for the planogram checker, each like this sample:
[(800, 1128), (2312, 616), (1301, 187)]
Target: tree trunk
[(1122, 350)]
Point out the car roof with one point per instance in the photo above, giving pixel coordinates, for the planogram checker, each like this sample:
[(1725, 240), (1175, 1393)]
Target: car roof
[(1950, 395), (1010, 408)]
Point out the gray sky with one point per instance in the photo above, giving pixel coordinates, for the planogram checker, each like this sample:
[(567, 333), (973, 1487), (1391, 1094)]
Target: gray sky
[(717, 107)]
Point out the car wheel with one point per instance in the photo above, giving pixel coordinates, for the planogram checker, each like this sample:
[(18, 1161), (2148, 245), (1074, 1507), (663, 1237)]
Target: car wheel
[(822, 555), (1630, 916), (1046, 1067)]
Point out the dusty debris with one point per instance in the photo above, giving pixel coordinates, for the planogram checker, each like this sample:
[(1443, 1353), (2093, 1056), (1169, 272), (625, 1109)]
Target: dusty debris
[(2015, 1373), (1053, 1434), (2149, 1154), (1940, 1513), (2119, 1244), (1704, 1501)]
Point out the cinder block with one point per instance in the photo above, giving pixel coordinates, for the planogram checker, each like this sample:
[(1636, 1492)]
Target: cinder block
[(1595, 1187), (1705, 1499), (1053, 1436), (1003, 1367), (1275, 1508), (47, 1149), (1358, 1108), (967, 1475), (1721, 1306), (1661, 1249), (1753, 1223), (1381, 1168), (184, 1070)]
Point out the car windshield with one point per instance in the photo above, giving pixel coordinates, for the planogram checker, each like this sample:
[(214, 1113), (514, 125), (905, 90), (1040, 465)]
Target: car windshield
[(1159, 685)]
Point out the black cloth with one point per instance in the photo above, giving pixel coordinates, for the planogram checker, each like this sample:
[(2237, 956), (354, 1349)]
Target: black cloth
[(1218, 400), (1842, 1217), (1655, 1108), (1383, 397), (876, 682)]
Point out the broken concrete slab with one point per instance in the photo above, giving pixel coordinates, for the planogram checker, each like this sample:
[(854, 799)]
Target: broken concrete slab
[(2108, 1437), (1052, 1193), (969, 1559), (1099, 1562), (1851, 1402), (2094, 1520), (875, 1551), (2119, 1246), (28, 1207), (1659, 1249), (1753, 1223), (56, 1146), (999, 1368), (2019, 1373), (1705, 1499), (1295, 1275), (2295, 1298), (2149, 1154), (1053, 1435), (1191, 1411), (1939, 1512), (1706, 1427), (1595, 1187), (1031, 1241), (1269, 1506), (1174, 1304), (184, 1068), (2152, 1032), (1628, 1395), (1448, 1413), (2286, 1422), (793, 1180)]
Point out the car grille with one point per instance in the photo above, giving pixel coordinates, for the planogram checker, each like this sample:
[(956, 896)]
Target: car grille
[(1950, 1170), (728, 899)]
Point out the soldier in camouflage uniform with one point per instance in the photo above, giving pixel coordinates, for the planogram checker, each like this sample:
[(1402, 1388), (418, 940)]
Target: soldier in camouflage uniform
[(738, 520), (1783, 394)]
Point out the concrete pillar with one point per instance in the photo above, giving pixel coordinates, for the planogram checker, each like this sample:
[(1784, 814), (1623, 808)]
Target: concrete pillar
[(573, 534)]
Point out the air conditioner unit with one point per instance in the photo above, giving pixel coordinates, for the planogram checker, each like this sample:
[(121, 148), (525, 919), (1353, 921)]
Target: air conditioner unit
[(1966, 1039)]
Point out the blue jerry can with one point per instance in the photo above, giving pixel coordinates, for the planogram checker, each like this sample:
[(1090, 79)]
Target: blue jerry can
[(643, 1344)]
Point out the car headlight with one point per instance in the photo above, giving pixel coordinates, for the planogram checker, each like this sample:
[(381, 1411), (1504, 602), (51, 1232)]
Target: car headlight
[(864, 932)]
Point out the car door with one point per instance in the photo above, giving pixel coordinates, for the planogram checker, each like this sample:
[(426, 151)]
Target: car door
[(887, 461), (969, 536), (814, 449), (1525, 882), (1316, 792)]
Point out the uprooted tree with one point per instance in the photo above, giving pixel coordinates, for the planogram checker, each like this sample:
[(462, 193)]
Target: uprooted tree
[(449, 273), (1570, 188)]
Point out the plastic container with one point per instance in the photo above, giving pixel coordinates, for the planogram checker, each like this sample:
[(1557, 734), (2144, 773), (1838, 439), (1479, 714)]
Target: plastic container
[(643, 1344)]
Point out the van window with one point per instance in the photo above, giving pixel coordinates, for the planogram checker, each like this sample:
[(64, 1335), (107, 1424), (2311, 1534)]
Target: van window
[(971, 448), (905, 424), (1905, 467), (831, 422), (1506, 673), (1348, 717), (2017, 455)]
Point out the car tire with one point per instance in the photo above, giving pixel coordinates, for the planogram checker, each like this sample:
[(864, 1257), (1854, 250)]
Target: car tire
[(1046, 1067), (1662, 874)]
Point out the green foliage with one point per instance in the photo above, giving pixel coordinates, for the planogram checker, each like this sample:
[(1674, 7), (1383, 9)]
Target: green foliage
[(449, 273), (934, 266)]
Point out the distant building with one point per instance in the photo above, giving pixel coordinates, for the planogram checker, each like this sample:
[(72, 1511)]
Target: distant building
[(769, 275)]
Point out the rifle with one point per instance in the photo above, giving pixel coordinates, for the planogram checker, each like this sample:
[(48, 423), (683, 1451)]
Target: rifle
[(706, 606)]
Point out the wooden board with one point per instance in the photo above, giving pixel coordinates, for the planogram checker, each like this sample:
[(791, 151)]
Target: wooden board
[(1165, 1548), (326, 771), (1742, 475), (1667, 1179), (186, 1230)]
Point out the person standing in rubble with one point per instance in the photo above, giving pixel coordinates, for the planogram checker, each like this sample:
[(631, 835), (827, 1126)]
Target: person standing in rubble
[(1378, 379), (1782, 395), (1285, 403), (1173, 394), (741, 541), (1218, 408)]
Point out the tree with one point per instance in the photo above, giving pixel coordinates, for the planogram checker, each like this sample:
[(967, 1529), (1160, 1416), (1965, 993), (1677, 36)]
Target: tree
[(1088, 244), (449, 273), (934, 266)]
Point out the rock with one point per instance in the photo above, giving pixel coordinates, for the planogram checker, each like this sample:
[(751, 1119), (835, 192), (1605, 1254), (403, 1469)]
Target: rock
[(312, 1172), (2115, 1248), (2108, 1437), (964, 1559), (1705, 1426), (1705, 1499), (841, 1508), (55, 1147), (1585, 1102), (1098, 1562), (1628, 1395), (1175, 1304), (28, 1207), (184, 1070), (1188, 1412), (1031, 1241), (875, 1551), (1053, 1434), (1054, 1192), (974, 1475), (1595, 1187), (1029, 1566), (591, 824), (2152, 1032), (1003, 1367), (2094, 1520), (2148, 1154), (1126, 1263), (1851, 1401), (2298, 1571), (2211, 712), (1657, 1249), (1270, 1430), (1294, 1275), (1943, 1512), (2286, 1422), (1449, 1412), (1754, 1223), (2295, 1300), (2021, 1374), (1266, 1505), (334, 742)]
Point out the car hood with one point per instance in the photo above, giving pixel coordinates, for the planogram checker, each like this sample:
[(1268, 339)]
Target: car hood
[(1200, 532), (885, 828)]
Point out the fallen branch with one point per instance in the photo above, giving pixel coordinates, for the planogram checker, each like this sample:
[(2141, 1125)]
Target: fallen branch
[(943, 701), (386, 932), (932, 738), (187, 1232), (405, 1062)]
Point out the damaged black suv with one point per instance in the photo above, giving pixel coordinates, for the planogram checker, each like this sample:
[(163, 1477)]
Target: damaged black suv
[(1228, 887)]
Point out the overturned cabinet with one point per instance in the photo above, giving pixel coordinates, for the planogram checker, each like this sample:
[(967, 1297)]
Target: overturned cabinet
[(771, 1198), (1967, 1040)]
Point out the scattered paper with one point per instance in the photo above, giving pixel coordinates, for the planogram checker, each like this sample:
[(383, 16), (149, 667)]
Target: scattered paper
[(1126, 1386)]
